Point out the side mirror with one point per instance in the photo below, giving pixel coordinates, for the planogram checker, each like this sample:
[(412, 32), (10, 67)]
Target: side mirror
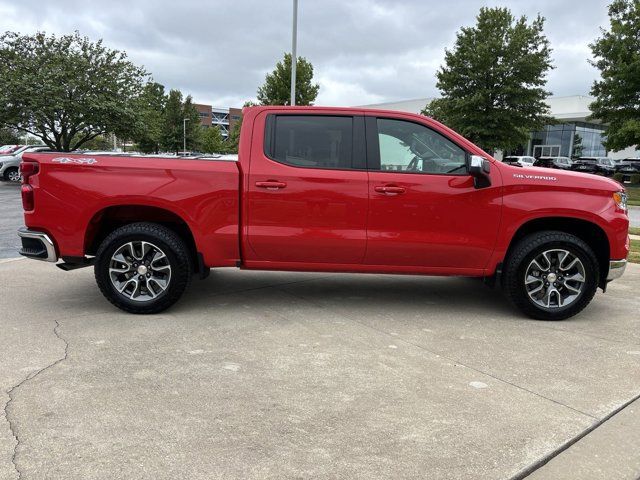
[(479, 169)]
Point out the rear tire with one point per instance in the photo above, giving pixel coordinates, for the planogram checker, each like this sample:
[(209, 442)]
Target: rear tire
[(551, 275), (143, 268)]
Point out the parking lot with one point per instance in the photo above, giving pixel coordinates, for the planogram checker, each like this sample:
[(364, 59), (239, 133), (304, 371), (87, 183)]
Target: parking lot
[(10, 219), (293, 375)]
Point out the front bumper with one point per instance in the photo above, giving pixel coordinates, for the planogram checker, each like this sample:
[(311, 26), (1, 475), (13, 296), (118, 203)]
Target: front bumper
[(616, 269), (37, 245)]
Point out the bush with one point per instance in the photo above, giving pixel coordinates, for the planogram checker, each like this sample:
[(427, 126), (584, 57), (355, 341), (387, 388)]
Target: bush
[(634, 178)]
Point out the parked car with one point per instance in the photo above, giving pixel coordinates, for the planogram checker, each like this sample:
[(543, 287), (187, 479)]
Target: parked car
[(606, 166), (9, 149), (629, 166), (311, 191), (523, 161), (602, 165), (10, 164), (563, 163)]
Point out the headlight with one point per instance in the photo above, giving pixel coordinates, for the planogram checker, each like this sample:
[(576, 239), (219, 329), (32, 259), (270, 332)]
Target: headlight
[(620, 199)]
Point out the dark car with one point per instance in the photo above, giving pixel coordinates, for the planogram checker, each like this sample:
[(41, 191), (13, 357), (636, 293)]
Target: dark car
[(606, 166), (603, 165), (629, 165), (562, 163), (585, 165)]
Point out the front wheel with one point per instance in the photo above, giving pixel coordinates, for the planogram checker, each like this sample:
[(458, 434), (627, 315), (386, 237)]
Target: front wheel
[(12, 175), (551, 275), (143, 268)]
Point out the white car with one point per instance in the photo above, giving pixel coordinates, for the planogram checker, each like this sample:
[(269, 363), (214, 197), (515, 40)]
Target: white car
[(10, 164), (524, 161)]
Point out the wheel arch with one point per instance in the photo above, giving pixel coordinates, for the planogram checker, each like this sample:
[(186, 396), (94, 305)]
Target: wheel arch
[(109, 218), (589, 232)]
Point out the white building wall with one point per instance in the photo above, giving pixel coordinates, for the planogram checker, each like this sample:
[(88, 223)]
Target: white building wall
[(573, 108)]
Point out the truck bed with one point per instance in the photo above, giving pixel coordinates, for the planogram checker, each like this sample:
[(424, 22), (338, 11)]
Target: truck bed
[(73, 192)]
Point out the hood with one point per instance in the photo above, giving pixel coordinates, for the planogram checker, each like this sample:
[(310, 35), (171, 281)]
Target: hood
[(553, 177)]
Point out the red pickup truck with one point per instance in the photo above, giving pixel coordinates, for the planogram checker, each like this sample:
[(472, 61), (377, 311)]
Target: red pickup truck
[(331, 190)]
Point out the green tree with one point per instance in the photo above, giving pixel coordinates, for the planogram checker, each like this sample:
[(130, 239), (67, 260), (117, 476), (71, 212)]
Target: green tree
[(212, 141), (277, 85), (9, 136), (100, 142), (493, 80), (617, 56), (578, 148), (193, 128), (233, 140), (150, 105), (172, 122), (173, 127), (66, 90)]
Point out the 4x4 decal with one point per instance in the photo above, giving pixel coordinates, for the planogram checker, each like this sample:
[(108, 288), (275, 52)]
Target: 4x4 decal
[(79, 161)]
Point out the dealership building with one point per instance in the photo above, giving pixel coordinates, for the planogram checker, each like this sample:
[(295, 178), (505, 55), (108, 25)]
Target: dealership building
[(573, 135)]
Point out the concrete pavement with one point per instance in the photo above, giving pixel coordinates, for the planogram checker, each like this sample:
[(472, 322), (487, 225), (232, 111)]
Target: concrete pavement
[(11, 219), (293, 375), (634, 216)]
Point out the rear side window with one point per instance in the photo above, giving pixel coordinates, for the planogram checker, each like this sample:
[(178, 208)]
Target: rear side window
[(315, 141)]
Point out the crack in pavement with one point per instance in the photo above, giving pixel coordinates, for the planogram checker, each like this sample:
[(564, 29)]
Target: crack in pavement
[(12, 390)]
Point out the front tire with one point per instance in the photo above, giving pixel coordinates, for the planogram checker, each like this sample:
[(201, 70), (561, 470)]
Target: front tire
[(12, 174), (143, 268), (551, 275)]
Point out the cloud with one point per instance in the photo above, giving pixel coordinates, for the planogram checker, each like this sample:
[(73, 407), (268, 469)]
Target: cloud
[(363, 51)]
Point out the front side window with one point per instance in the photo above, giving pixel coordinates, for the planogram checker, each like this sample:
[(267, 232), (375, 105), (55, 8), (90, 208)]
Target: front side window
[(316, 141), (413, 148)]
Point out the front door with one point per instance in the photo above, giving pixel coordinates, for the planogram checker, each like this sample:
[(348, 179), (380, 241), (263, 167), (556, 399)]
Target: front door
[(307, 190), (424, 209)]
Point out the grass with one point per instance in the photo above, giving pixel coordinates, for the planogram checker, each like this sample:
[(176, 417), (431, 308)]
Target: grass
[(634, 254), (634, 230), (633, 196)]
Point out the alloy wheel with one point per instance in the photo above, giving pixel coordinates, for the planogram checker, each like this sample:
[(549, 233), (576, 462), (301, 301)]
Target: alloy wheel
[(140, 271), (555, 278), (14, 176)]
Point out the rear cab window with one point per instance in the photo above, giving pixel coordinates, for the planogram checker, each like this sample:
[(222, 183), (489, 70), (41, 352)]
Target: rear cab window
[(316, 141)]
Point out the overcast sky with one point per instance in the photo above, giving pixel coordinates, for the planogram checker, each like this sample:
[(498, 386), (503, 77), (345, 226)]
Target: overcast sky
[(363, 51)]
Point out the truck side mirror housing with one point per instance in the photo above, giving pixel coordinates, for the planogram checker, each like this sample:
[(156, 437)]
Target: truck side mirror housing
[(479, 169)]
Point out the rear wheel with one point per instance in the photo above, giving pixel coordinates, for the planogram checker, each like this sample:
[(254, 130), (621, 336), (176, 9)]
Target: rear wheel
[(143, 268), (551, 275)]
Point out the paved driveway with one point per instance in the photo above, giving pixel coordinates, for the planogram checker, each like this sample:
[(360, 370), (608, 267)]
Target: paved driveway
[(634, 216), (10, 219), (291, 375)]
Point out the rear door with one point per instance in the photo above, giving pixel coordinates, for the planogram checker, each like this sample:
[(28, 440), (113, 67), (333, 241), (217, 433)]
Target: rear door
[(307, 189), (424, 210)]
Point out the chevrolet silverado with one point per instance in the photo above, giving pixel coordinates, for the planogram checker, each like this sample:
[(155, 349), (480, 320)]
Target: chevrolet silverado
[(328, 190)]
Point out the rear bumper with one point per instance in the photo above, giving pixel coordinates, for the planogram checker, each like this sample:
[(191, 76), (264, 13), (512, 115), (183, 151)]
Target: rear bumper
[(37, 245), (616, 269)]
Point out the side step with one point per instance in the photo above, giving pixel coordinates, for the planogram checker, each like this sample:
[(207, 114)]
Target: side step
[(74, 263)]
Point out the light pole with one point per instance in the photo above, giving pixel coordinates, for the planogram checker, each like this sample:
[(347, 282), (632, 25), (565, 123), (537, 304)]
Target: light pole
[(184, 135), (294, 58)]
